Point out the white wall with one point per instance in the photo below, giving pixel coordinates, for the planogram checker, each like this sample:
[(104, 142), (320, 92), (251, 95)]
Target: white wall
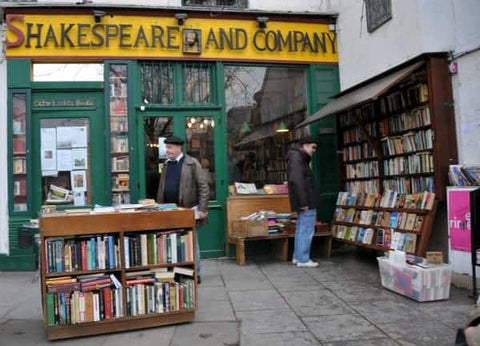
[(417, 26), (466, 83), (3, 150)]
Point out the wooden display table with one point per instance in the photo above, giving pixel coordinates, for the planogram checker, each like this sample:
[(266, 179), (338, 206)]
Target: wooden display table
[(240, 206)]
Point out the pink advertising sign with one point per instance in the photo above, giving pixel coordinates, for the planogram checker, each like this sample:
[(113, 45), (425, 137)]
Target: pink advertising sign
[(459, 220)]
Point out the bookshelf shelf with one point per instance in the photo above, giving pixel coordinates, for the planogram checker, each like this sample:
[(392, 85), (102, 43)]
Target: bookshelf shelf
[(162, 265), (361, 178), (113, 308), (81, 272), (374, 227)]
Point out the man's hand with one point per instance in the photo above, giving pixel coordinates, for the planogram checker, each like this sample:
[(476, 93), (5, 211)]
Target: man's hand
[(202, 215), (304, 208)]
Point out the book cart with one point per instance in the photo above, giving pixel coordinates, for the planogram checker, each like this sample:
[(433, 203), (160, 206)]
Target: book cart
[(402, 141), (108, 272)]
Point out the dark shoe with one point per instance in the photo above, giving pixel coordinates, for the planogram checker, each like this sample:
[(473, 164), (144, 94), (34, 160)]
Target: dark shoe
[(199, 280)]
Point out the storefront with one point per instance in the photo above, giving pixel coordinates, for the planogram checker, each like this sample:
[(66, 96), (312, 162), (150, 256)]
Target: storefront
[(233, 85)]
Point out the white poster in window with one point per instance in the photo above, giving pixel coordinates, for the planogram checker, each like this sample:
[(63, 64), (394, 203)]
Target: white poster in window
[(64, 160), (79, 198), (79, 180), (79, 136), (64, 137), (48, 159), (162, 149), (48, 138), (79, 158)]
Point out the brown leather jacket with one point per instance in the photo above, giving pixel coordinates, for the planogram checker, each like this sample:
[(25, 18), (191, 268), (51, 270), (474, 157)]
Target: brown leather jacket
[(193, 188)]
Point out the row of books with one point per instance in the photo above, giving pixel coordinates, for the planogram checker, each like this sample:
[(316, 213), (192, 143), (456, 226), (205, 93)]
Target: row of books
[(409, 185), (416, 118), (119, 124), (407, 143), (372, 185), (72, 300), (20, 186), (82, 253), (357, 152), (404, 99), (120, 163), (121, 182), (385, 238), (19, 165), (460, 175), (362, 170), (412, 164), (119, 144), (160, 297), (357, 135), (389, 199), (364, 115), (158, 248), (401, 220)]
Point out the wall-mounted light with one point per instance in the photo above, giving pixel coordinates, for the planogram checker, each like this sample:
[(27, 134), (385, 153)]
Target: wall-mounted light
[(181, 18), (98, 15), (282, 127), (262, 22)]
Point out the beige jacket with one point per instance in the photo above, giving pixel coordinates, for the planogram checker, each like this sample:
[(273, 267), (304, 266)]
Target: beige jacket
[(193, 189)]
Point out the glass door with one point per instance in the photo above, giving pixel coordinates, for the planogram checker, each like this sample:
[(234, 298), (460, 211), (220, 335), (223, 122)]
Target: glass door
[(201, 134)]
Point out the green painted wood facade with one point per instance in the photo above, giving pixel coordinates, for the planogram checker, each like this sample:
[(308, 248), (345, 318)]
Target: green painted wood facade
[(322, 83)]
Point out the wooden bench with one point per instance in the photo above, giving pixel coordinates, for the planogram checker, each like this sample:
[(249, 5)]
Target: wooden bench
[(240, 206)]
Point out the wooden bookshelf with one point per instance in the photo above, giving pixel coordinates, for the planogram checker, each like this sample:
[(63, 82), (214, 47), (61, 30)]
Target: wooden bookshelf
[(358, 214), (119, 313), (405, 138)]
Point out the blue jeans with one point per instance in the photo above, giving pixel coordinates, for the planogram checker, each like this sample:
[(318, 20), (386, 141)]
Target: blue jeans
[(198, 256), (304, 235)]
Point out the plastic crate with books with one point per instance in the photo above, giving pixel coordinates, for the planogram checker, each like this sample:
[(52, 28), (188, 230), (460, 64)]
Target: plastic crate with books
[(422, 282)]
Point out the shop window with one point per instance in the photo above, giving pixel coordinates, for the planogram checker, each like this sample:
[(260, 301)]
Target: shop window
[(216, 3), (119, 141), (196, 83), (378, 12), (264, 104), (19, 149), (65, 161), (199, 131), (68, 72), (157, 82), (156, 130)]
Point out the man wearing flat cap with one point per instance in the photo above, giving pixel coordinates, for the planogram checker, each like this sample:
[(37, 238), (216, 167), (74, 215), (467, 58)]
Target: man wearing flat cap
[(183, 182)]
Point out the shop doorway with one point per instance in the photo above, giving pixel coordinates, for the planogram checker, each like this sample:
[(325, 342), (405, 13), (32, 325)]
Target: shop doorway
[(201, 134)]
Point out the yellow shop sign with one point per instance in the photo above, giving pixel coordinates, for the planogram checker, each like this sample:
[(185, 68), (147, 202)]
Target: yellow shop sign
[(119, 36)]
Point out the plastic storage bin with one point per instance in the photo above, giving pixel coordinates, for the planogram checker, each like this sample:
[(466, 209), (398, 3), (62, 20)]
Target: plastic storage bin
[(420, 284)]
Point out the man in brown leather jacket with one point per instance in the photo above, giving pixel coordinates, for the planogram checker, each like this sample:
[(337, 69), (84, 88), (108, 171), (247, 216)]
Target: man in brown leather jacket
[(183, 182)]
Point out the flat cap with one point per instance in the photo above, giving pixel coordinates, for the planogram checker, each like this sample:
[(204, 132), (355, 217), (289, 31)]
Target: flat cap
[(308, 140), (173, 140)]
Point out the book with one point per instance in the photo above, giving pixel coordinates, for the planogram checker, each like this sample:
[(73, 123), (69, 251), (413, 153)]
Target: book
[(380, 237), (418, 223), (410, 223), (368, 236)]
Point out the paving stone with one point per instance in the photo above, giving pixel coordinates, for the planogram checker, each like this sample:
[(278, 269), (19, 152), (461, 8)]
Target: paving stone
[(257, 300), (214, 311), (427, 333), (369, 342), (270, 321), (388, 311), (342, 328), (157, 336), (279, 339), (207, 334), (316, 302), (288, 276), (212, 294)]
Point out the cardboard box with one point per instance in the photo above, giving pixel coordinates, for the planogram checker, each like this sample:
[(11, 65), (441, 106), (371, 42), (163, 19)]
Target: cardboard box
[(420, 284), (249, 228)]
